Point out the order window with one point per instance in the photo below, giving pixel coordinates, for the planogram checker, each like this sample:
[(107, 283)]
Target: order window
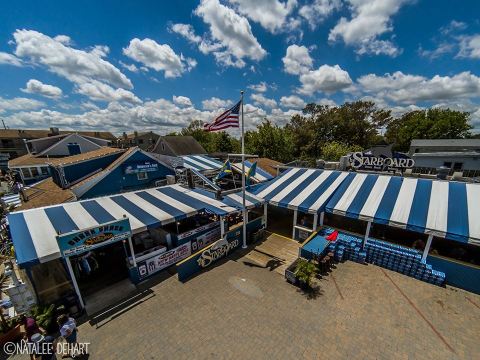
[(142, 176)]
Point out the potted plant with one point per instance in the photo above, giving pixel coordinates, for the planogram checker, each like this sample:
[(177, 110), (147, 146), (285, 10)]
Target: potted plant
[(304, 272)]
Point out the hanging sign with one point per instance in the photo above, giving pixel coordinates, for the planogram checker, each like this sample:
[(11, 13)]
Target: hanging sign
[(159, 262), (138, 167), (368, 161), (199, 230), (77, 242)]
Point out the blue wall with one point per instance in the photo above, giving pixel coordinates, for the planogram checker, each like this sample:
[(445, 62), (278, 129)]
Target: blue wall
[(456, 274), (76, 171), (117, 181)]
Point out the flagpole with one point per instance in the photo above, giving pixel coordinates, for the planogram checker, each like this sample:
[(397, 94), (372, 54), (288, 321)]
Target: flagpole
[(244, 246)]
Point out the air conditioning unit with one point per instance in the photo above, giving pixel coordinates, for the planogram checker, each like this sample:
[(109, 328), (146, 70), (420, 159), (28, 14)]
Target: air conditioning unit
[(162, 182)]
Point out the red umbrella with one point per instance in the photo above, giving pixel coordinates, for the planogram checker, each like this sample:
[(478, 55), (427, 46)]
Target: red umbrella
[(333, 236)]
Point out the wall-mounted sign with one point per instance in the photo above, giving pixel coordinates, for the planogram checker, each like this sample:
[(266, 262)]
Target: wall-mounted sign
[(77, 242), (218, 250), (198, 230), (145, 166), (206, 239), (159, 262), (380, 158)]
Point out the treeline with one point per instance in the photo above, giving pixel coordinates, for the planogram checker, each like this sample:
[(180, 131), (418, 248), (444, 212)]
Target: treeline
[(326, 132)]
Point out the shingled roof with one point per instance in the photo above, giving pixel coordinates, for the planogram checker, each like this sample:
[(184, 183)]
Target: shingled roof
[(180, 145)]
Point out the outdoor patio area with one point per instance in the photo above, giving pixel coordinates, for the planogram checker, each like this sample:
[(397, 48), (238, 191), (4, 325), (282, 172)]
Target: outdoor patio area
[(239, 310)]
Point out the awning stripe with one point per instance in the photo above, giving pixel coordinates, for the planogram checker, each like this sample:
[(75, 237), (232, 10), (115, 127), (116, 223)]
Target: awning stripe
[(295, 187), (159, 215), (60, 219), (349, 196), (179, 206), (162, 205), (458, 220), (80, 216), (310, 190), (375, 196), (438, 209), (19, 230), (97, 211), (403, 205), (277, 185), (119, 212), (473, 196), (214, 164), (322, 200), (417, 219), (387, 203), (41, 230)]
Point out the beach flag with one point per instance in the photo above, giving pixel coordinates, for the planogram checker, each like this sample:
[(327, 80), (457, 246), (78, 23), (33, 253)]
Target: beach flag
[(333, 236), (226, 170), (251, 172)]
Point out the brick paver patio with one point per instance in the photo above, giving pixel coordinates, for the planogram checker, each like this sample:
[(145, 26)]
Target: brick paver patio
[(244, 311)]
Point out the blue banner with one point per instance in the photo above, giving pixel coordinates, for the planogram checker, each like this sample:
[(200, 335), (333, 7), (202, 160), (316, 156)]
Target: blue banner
[(77, 242)]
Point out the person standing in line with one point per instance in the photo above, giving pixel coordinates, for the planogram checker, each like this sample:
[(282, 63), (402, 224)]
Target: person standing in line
[(68, 330)]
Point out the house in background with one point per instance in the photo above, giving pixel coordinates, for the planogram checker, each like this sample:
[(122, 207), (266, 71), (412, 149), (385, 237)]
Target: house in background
[(85, 176), (12, 141), (144, 140), (34, 166), (459, 155), (178, 146)]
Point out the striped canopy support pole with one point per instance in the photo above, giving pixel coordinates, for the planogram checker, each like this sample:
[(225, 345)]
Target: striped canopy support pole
[(245, 219), (74, 281), (295, 216), (315, 221), (322, 217), (367, 234), (265, 213), (222, 226), (132, 251), (427, 248)]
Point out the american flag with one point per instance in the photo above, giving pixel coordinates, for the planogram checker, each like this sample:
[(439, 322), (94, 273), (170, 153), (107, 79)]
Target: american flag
[(228, 119)]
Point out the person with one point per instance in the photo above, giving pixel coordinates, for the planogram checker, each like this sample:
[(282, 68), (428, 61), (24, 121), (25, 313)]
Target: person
[(418, 244), (68, 330), (44, 346), (31, 329)]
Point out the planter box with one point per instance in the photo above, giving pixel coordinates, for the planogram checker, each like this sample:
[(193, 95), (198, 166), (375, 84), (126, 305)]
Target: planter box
[(290, 273)]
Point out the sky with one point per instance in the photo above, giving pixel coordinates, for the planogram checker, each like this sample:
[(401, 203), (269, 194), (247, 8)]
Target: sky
[(158, 65)]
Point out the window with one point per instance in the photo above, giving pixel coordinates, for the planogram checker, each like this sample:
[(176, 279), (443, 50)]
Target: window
[(140, 141), (34, 172), (447, 164), (44, 170), (163, 146), (457, 166), (26, 173), (142, 176)]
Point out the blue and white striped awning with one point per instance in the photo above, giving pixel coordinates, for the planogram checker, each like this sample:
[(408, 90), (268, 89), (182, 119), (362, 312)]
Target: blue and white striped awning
[(34, 231), (12, 199), (201, 162), (235, 199), (260, 174), (442, 208), (306, 190)]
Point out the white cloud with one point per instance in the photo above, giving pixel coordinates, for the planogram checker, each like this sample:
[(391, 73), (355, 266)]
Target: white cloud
[(78, 66), (130, 67), (319, 10), (280, 117), (271, 14), (407, 88), (232, 39), (64, 39), (9, 59), (215, 103), (158, 57), (469, 47), (37, 87), (99, 91), (182, 101), (370, 19), (292, 101), (297, 60), (187, 31), (441, 49), (19, 104), (453, 26), (261, 87), (326, 79), (261, 100)]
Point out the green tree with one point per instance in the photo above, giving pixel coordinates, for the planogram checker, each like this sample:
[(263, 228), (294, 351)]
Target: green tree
[(332, 151), (353, 124), (270, 141), (428, 124)]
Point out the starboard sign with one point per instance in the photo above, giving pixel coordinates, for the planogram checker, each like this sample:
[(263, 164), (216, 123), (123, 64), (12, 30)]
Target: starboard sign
[(77, 242), (380, 158), (217, 251)]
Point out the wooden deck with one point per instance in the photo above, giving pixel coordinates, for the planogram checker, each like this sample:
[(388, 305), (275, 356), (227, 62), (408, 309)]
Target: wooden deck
[(275, 252)]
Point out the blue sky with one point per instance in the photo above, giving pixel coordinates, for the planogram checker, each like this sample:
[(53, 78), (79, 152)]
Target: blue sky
[(157, 65)]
